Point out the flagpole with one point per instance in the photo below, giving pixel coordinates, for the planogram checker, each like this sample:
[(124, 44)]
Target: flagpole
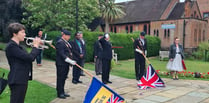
[(84, 70), (142, 53)]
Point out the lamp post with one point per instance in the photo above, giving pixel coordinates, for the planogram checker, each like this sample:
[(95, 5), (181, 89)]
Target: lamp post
[(76, 24)]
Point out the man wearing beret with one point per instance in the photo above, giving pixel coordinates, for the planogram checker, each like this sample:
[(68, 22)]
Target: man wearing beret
[(106, 57), (63, 61), (140, 46)]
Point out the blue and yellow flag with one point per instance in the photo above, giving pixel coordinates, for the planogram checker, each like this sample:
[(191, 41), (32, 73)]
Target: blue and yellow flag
[(100, 93)]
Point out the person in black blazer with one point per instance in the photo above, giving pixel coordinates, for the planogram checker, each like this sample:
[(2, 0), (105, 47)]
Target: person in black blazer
[(20, 62), (97, 56), (78, 55), (63, 61), (83, 50), (106, 58), (140, 44)]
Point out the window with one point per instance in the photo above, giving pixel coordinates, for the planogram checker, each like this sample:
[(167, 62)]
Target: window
[(195, 35), (195, 13), (154, 32), (115, 29), (145, 28), (168, 33), (157, 33), (199, 37), (165, 33), (127, 29), (203, 37), (131, 29), (111, 29), (206, 14)]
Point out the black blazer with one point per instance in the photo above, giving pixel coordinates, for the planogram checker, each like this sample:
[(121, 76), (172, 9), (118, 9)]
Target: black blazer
[(63, 50), (20, 63), (83, 48), (107, 49), (172, 51), (97, 49), (138, 43), (76, 50)]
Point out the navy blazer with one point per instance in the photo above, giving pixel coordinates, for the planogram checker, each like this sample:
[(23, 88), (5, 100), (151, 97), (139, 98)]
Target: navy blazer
[(76, 50), (20, 63), (63, 50), (97, 49), (172, 51), (138, 44), (107, 49), (83, 48)]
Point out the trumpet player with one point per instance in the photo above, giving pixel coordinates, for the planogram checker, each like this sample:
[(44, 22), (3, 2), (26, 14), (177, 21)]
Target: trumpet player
[(20, 62), (39, 57)]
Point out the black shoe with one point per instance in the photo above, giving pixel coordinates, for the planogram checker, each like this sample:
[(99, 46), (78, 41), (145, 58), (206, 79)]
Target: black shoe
[(74, 82), (109, 82), (61, 96), (66, 95), (79, 81), (83, 75), (105, 82)]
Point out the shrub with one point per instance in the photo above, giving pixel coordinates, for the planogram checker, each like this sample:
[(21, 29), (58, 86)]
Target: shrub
[(202, 51), (118, 40)]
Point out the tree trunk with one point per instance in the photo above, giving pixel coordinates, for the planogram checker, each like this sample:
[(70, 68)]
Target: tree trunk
[(106, 25)]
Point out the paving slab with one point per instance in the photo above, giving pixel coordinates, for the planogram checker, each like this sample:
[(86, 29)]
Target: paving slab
[(176, 91)]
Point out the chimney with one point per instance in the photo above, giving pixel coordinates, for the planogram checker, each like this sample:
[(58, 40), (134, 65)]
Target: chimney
[(187, 8)]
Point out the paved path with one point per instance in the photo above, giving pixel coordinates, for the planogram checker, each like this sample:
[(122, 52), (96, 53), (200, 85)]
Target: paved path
[(176, 91)]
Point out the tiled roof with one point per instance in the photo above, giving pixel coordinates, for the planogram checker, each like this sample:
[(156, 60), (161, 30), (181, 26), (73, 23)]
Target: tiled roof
[(143, 10), (177, 12)]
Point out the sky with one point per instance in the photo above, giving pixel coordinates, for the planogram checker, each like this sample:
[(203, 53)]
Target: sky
[(117, 1)]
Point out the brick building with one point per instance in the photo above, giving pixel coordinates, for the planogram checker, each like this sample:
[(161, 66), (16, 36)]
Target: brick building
[(167, 19)]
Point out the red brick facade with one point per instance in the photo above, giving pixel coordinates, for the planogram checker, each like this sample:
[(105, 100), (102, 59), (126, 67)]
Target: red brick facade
[(190, 26), (195, 32)]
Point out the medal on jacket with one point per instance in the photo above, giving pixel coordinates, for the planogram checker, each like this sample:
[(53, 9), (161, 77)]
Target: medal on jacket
[(140, 43)]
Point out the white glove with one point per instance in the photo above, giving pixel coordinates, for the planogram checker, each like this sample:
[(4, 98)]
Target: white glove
[(138, 50), (68, 60)]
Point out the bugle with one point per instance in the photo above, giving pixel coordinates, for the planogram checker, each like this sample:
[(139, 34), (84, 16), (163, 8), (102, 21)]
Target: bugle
[(29, 42)]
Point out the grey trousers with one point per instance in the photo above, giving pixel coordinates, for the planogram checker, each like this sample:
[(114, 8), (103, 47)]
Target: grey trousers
[(98, 65)]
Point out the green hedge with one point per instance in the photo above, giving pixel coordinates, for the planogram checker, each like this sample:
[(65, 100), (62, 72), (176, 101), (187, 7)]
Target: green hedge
[(118, 40)]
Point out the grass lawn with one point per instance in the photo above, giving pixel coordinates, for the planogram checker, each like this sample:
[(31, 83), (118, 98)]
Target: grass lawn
[(126, 68), (36, 93)]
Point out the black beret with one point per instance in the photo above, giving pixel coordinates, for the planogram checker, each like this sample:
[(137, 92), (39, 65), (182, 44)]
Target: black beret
[(66, 32), (142, 33)]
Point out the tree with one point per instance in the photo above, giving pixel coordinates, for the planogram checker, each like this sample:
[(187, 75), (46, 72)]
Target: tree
[(59, 14), (110, 11)]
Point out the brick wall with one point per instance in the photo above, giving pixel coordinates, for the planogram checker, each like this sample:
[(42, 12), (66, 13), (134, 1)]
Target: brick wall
[(203, 6), (195, 32)]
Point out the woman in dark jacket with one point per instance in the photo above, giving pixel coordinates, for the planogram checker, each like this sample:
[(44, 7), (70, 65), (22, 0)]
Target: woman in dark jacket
[(20, 62), (176, 55)]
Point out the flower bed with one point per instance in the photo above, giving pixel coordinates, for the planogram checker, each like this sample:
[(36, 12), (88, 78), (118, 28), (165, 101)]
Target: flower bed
[(185, 74)]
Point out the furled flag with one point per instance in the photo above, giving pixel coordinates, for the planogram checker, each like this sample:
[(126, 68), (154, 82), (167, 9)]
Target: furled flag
[(150, 79), (100, 93)]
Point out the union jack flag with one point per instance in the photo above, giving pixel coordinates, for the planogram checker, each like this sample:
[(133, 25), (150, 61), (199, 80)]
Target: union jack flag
[(115, 99), (150, 79)]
